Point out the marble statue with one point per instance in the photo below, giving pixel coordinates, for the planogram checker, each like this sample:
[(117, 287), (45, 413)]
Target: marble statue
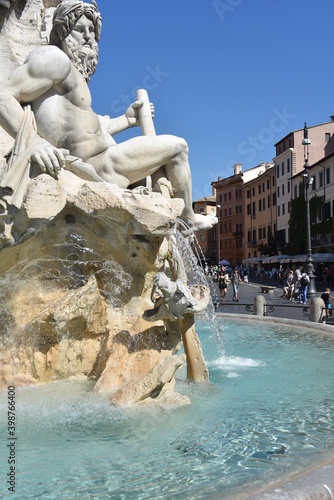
[(6, 3), (46, 105), (173, 299), (92, 284)]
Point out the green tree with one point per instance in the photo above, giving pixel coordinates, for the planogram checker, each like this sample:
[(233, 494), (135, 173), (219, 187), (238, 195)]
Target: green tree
[(297, 226)]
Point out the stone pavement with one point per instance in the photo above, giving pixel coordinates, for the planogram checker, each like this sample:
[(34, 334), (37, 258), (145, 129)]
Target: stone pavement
[(277, 307)]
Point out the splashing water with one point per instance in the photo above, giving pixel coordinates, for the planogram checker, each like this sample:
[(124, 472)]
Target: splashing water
[(192, 256)]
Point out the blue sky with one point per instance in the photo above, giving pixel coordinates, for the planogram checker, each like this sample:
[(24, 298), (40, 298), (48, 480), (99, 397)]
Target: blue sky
[(230, 76)]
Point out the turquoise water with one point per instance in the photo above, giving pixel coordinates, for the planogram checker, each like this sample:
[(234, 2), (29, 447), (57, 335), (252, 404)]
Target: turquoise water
[(269, 409)]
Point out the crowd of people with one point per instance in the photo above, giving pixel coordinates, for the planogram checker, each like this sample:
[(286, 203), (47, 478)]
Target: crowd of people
[(294, 282)]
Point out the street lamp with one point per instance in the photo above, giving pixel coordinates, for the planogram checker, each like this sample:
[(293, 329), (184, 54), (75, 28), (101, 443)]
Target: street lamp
[(218, 207), (312, 292)]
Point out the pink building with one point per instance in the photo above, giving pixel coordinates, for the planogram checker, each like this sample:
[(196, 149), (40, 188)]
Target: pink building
[(289, 161)]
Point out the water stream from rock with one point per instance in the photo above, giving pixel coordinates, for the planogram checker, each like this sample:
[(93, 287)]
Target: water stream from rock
[(192, 257)]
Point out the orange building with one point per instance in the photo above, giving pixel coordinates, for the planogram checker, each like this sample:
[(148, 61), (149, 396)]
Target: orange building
[(230, 212), (207, 239), (259, 202)]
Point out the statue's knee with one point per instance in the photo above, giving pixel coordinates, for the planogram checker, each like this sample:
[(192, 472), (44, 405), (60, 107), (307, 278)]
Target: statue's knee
[(183, 146)]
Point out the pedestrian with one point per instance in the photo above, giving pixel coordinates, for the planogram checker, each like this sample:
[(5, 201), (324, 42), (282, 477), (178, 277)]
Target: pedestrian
[(325, 297), (236, 280), (222, 285), (297, 274), (303, 285), (288, 289), (280, 275)]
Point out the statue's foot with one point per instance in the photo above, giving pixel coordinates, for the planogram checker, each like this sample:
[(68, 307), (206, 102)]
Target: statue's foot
[(198, 222)]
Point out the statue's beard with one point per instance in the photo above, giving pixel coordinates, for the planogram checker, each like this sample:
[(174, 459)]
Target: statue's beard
[(84, 58)]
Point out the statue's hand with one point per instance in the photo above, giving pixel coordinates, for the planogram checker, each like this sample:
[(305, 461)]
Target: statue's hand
[(132, 113), (49, 159)]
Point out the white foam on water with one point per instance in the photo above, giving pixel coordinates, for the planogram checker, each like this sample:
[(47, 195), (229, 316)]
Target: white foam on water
[(228, 363)]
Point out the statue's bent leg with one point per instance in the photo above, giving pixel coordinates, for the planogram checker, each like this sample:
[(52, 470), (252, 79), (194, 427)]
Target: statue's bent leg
[(137, 158)]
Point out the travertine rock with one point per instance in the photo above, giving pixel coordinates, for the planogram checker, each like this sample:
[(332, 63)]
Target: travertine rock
[(75, 286)]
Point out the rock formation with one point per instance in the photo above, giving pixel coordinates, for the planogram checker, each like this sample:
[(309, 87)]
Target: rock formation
[(77, 285)]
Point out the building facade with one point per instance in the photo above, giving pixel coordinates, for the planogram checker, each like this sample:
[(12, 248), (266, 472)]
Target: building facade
[(321, 193), (230, 213), (207, 240), (289, 161), (259, 202)]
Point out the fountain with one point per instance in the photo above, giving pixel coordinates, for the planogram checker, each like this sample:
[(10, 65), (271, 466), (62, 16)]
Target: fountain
[(95, 302), (101, 291)]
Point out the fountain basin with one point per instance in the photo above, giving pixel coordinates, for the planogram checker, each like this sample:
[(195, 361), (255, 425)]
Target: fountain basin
[(267, 414)]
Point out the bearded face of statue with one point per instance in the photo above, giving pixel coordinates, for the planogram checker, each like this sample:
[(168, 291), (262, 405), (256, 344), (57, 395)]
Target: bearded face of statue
[(82, 48)]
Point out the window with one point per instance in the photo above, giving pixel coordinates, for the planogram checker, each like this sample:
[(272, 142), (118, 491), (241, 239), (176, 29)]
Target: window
[(274, 199), (288, 166), (263, 188), (201, 237), (314, 184), (283, 209), (282, 168), (240, 209), (279, 210), (220, 198), (269, 201), (253, 207), (229, 195), (229, 211), (288, 186), (278, 191), (282, 189), (236, 193), (249, 235), (327, 137), (225, 228), (230, 228), (260, 233), (273, 180), (254, 236), (259, 188), (224, 196), (225, 212), (249, 211), (268, 183), (321, 179), (277, 172), (201, 210), (264, 233), (237, 209), (253, 191), (327, 210), (295, 191), (328, 175), (248, 193), (264, 204), (260, 205)]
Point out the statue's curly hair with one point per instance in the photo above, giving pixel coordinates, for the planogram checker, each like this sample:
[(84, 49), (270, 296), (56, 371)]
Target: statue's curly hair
[(68, 13)]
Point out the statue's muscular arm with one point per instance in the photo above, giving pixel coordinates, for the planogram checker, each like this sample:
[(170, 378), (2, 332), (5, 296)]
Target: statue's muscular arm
[(45, 68)]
